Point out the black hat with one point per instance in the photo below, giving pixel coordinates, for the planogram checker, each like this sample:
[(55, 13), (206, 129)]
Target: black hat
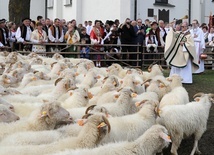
[(26, 19), (2, 21), (154, 22)]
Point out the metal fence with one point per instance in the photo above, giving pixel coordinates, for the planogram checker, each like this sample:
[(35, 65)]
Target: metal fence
[(142, 59)]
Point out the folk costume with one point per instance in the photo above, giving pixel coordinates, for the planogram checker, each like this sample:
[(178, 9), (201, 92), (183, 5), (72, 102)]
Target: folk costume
[(23, 33), (36, 37), (55, 34), (4, 35), (199, 46), (97, 35), (183, 59), (72, 38)]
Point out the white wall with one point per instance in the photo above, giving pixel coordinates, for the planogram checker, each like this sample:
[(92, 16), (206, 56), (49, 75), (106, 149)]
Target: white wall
[(4, 11), (37, 7), (209, 7), (179, 11)]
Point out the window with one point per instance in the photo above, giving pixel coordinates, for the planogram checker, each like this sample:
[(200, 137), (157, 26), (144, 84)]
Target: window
[(161, 1), (150, 12), (67, 2), (50, 3)]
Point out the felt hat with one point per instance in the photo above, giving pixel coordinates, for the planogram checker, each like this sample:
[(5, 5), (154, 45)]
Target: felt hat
[(2, 21), (26, 19)]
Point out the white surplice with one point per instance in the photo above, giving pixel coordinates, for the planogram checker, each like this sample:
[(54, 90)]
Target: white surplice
[(199, 46)]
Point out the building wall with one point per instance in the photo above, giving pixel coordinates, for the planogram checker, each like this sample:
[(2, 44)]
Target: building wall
[(37, 8)]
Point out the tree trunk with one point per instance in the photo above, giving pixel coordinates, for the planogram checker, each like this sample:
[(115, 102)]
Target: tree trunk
[(18, 9)]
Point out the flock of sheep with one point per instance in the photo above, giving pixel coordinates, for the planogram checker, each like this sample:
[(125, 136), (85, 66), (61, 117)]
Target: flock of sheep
[(64, 106)]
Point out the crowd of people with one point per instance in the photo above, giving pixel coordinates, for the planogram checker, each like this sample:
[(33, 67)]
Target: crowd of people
[(151, 34)]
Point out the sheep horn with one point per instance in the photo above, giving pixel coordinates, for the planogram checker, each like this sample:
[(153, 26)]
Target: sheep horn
[(90, 108), (198, 95), (107, 122), (86, 116), (150, 67), (59, 79), (160, 67), (35, 72), (149, 80), (119, 89), (53, 64)]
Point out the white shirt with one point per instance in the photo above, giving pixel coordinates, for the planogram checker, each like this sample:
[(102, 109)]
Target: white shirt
[(18, 35), (51, 37), (88, 29), (210, 37)]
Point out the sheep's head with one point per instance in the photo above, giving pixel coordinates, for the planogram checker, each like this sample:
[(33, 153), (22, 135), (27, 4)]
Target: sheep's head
[(160, 135), (57, 56), (6, 115), (33, 55), (42, 75), (11, 58), (197, 97), (53, 114), (7, 104), (98, 122), (94, 109)]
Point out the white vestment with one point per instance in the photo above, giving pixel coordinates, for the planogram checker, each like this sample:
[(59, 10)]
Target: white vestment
[(199, 46), (183, 59)]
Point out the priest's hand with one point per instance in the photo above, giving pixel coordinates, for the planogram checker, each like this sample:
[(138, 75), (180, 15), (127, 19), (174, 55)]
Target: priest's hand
[(181, 43)]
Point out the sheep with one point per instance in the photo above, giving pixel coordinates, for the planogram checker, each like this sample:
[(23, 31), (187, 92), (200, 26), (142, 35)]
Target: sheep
[(110, 84), (186, 120), (6, 104), (154, 70), (27, 78), (44, 118), (130, 127), (122, 106), (116, 69), (159, 85), (7, 115), (151, 142), (178, 94), (96, 127), (45, 137), (78, 98), (89, 80)]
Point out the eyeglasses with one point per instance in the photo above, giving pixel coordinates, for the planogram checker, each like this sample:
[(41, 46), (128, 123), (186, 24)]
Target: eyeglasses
[(183, 26)]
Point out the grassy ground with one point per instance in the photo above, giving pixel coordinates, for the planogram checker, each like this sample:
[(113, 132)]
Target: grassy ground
[(201, 83)]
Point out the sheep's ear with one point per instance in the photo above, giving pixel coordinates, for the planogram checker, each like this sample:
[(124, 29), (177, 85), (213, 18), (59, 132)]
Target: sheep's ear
[(121, 81), (136, 82), (81, 122), (57, 80), (90, 95), (197, 99), (169, 79), (98, 77), (165, 137), (76, 74), (128, 72), (133, 95), (162, 85), (107, 123), (117, 96), (71, 93)]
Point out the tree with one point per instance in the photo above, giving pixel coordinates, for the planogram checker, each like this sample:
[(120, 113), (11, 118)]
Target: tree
[(18, 9)]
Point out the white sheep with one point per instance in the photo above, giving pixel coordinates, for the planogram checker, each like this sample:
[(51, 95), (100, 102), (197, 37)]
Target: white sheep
[(6, 104), (154, 70), (7, 115), (45, 137), (186, 120), (44, 118), (96, 127), (122, 106), (130, 127), (151, 142), (78, 98), (116, 69), (178, 94)]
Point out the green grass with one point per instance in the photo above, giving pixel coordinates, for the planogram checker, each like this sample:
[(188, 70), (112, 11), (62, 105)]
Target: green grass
[(201, 83)]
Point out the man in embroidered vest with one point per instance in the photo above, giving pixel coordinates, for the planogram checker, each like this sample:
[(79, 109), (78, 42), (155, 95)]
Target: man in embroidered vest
[(55, 34), (180, 53), (23, 34), (4, 34)]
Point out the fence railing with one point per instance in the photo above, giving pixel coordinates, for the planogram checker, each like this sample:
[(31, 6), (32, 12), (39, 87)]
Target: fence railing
[(141, 57)]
